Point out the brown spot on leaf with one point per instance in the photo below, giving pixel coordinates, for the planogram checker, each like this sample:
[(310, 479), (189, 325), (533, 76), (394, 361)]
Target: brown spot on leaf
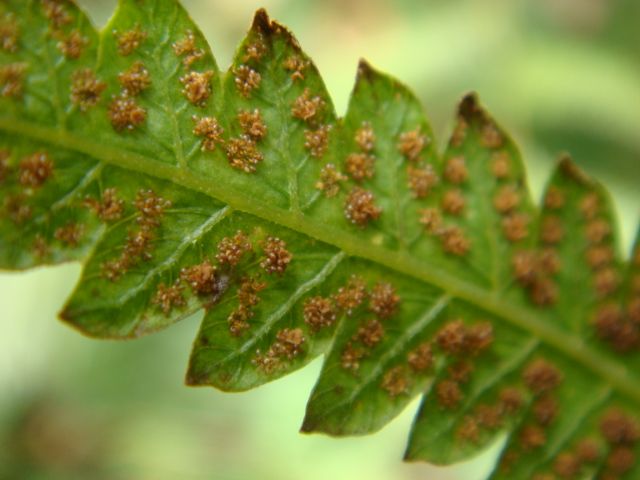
[(243, 153), (448, 394), (186, 48), (210, 130), (619, 428), (316, 141), (252, 124), (306, 107), (125, 114), (168, 297), (412, 143), (56, 13), (511, 400), (421, 180), (395, 381), (468, 430), (360, 207), (296, 65), (277, 257), (383, 300), (9, 33), (567, 465), (365, 138), (197, 87), (134, 80), (506, 199), (69, 234), (201, 278), (455, 170), (431, 219), (454, 241), (501, 165), (452, 337), (351, 296), (246, 80), (319, 312), (597, 230), (231, 249), (330, 179), (541, 376), (360, 166), (420, 358), (453, 202), (599, 256), (72, 45), (109, 208), (532, 437), (371, 333), (129, 41), (86, 89), (351, 357), (35, 169), (545, 409), (552, 230), (515, 226), (554, 199), (12, 79)]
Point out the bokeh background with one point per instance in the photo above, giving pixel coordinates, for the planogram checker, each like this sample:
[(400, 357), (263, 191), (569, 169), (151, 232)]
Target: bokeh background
[(562, 75)]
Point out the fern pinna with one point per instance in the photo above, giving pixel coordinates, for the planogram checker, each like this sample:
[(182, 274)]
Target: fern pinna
[(241, 193)]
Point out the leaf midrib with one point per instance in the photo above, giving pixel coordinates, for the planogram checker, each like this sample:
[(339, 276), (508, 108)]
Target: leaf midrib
[(567, 343)]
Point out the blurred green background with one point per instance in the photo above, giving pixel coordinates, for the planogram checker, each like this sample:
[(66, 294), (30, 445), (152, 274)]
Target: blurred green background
[(561, 75)]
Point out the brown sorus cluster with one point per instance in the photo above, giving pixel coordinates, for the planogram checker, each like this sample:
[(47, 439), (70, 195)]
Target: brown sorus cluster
[(139, 245), (360, 207), (490, 136), (296, 65), (252, 124), (72, 44), (515, 226), (456, 338), (9, 33), (532, 269), (454, 241), (129, 41), (201, 277), (330, 178), (186, 48), (134, 80), (383, 300), (395, 381), (12, 79), (448, 393), (306, 107), (431, 219), (317, 141), (621, 432), (276, 256), (453, 202), (455, 171), (360, 166), (210, 130), (351, 357), (40, 247), (247, 299), (370, 333), (243, 153), (420, 358), (554, 199), (500, 165), (365, 138), (125, 113), (351, 295), (506, 199), (620, 331), (109, 208), (319, 312), (35, 169), (288, 345), (468, 430), (511, 400), (421, 180), (5, 169), (231, 249), (255, 50), (16, 208), (551, 230), (532, 437), (69, 234), (412, 143), (459, 132), (167, 297), (246, 80), (56, 13), (197, 86), (540, 376), (86, 88)]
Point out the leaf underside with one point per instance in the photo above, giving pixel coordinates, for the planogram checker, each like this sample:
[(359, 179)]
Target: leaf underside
[(414, 272)]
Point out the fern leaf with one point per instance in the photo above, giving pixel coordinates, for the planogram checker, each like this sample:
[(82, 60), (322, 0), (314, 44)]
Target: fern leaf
[(415, 273)]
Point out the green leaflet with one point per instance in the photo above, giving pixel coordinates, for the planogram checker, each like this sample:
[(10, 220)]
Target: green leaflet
[(181, 187)]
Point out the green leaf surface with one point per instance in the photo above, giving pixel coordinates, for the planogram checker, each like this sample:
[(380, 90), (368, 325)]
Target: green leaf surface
[(414, 272)]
